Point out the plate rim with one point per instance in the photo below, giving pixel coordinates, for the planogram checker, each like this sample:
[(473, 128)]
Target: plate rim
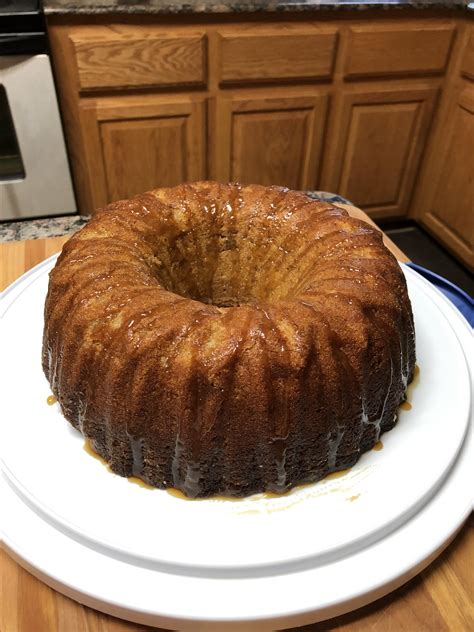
[(265, 567)]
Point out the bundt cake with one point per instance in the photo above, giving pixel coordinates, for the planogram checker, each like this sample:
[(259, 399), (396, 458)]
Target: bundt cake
[(228, 339)]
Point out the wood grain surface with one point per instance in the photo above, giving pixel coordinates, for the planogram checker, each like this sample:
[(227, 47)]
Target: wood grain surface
[(437, 600), (300, 53), (377, 126), (444, 199), (283, 132), (395, 50), (376, 80), (145, 134), (107, 59)]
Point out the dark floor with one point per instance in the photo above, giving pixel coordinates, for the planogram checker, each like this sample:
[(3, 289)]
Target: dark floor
[(422, 249)]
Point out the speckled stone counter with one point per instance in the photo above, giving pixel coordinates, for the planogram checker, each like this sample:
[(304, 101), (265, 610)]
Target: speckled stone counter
[(41, 228), (69, 224), (235, 6)]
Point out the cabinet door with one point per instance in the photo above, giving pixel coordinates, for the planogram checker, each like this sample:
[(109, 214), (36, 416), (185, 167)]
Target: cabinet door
[(268, 140), (446, 201), (134, 144), (375, 142)]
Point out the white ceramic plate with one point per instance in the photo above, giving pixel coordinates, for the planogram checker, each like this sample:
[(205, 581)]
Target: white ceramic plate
[(44, 460), (288, 599)]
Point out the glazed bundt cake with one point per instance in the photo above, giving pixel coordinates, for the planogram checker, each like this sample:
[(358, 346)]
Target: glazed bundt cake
[(228, 339)]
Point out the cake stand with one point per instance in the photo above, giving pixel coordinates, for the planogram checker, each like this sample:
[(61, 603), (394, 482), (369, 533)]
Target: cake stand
[(257, 563)]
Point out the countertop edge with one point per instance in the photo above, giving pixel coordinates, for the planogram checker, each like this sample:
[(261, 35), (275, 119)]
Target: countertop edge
[(239, 7)]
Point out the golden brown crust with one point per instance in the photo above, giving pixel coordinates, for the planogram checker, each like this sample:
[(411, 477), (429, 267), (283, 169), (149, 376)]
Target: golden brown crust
[(228, 339)]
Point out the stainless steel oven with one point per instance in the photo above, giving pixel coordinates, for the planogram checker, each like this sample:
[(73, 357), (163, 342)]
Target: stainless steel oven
[(35, 179)]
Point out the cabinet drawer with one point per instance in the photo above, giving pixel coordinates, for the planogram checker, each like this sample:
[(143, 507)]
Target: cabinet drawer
[(252, 57), (126, 61), (398, 49)]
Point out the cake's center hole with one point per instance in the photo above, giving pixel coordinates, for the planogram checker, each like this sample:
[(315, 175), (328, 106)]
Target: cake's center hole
[(225, 270)]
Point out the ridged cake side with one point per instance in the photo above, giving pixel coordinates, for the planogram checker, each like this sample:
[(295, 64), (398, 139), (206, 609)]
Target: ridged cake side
[(228, 339)]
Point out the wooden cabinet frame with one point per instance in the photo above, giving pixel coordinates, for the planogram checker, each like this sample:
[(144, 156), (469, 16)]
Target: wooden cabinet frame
[(444, 199), (310, 106), (349, 142), (326, 84), (456, 228), (93, 114)]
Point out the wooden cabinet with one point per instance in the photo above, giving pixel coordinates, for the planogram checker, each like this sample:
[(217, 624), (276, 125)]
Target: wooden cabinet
[(129, 56), (377, 137), (383, 110), (450, 205), (269, 140), (449, 211), (134, 144), (133, 114), (398, 49), (444, 203), (356, 104), (269, 54)]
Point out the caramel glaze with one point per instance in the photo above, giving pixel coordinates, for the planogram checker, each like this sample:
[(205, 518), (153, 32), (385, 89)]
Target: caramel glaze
[(132, 479), (90, 450), (416, 376), (378, 446), (228, 339), (339, 474), (413, 384), (407, 405), (51, 400), (138, 481), (177, 493)]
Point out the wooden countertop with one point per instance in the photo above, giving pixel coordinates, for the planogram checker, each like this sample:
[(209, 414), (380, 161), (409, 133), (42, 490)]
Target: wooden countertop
[(440, 598)]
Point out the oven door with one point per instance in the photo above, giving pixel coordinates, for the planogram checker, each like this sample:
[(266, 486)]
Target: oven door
[(35, 180)]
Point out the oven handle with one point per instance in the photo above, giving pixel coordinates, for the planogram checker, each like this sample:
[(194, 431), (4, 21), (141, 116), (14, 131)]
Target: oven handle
[(18, 174), (22, 43)]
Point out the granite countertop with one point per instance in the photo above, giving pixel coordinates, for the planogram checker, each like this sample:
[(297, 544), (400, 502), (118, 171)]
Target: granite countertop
[(234, 6)]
